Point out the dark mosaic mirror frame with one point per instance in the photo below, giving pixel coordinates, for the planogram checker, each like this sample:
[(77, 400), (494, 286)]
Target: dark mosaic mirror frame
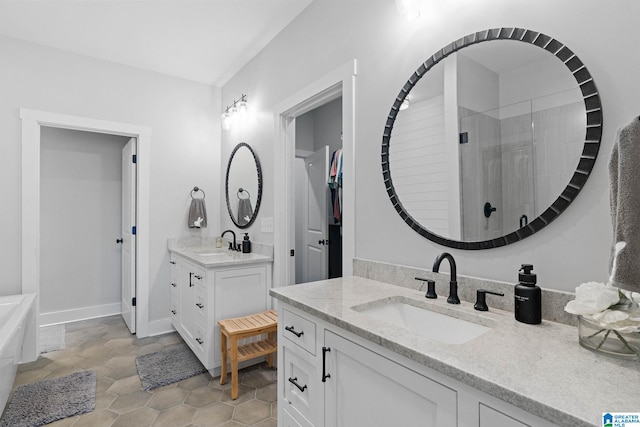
[(226, 186), (587, 159)]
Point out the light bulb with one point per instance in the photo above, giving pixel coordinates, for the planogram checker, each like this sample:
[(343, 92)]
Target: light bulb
[(242, 105), (226, 120)]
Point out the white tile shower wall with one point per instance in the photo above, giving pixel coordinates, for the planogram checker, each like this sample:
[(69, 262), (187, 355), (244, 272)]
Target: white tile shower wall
[(481, 169), (553, 301), (555, 162)]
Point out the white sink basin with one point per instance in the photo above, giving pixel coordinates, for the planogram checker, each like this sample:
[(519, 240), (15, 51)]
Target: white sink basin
[(424, 322), (220, 254)]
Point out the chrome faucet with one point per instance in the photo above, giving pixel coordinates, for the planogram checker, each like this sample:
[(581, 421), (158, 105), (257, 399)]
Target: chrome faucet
[(232, 245), (453, 283)]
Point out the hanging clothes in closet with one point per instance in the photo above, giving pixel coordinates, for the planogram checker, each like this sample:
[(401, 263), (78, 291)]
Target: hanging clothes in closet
[(335, 184)]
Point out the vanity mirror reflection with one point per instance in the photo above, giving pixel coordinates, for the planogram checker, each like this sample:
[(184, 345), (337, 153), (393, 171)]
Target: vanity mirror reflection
[(491, 138), (243, 185)]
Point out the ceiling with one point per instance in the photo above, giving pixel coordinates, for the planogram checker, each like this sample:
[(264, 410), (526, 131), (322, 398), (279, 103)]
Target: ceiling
[(206, 41)]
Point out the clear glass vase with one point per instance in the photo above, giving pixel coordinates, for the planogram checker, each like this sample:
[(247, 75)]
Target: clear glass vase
[(622, 345)]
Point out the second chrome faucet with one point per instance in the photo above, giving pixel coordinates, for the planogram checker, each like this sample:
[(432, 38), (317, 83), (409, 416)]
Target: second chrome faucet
[(453, 283)]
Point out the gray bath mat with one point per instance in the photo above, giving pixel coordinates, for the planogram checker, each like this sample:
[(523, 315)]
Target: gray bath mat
[(46, 401), (168, 366)]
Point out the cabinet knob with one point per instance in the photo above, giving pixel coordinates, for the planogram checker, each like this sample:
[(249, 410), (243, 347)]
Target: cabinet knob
[(172, 262), (199, 305), (199, 340), (173, 311), (174, 285), (197, 277)]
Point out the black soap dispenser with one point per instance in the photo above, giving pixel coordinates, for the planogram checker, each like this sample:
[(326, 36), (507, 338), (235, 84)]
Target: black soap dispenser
[(528, 297), (246, 244)]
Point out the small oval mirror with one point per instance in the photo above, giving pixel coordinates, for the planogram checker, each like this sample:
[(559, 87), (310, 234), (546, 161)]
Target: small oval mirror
[(243, 185)]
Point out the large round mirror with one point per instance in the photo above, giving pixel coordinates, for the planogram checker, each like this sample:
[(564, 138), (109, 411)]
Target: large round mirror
[(491, 138), (243, 185)]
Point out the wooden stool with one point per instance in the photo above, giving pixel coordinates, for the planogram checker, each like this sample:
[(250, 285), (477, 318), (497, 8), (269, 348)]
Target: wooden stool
[(243, 327)]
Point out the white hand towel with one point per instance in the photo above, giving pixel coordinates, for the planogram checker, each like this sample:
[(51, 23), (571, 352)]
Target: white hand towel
[(624, 178)]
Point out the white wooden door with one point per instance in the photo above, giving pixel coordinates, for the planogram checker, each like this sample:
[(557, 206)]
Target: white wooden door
[(128, 235), (316, 233)]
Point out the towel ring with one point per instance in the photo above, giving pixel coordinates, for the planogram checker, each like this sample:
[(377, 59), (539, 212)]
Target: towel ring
[(242, 190), (196, 189)]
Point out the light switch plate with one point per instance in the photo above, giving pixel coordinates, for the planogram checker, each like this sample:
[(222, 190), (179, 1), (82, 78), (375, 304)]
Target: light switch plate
[(266, 225)]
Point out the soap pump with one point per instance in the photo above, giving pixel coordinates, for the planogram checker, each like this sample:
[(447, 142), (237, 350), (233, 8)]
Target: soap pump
[(246, 244), (528, 297)]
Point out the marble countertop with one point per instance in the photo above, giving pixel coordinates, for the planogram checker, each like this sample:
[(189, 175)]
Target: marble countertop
[(539, 368), (205, 253)]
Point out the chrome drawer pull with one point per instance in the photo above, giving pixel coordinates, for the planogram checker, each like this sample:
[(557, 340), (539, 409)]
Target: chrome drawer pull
[(293, 331), (294, 381)]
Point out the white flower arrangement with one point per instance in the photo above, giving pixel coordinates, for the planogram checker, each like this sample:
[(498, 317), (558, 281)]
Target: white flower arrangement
[(607, 306)]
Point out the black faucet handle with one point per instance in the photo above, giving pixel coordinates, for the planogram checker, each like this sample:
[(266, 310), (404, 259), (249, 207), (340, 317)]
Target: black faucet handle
[(431, 288), (481, 301)]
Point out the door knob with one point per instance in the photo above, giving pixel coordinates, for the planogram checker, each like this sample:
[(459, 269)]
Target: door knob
[(324, 242), (119, 240), (488, 209)]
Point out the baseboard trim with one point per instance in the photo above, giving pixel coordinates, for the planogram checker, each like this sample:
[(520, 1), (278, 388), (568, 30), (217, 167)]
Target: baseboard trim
[(76, 314), (160, 327)]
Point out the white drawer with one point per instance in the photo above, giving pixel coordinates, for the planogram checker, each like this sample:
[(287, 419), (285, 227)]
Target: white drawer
[(174, 309), (299, 330), (288, 420), (198, 277), (300, 394), (200, 338), (175, 271), (201, 305)]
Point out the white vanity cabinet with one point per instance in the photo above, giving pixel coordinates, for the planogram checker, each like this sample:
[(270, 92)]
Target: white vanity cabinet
[(200, 296), (367, 389), (367, 385)]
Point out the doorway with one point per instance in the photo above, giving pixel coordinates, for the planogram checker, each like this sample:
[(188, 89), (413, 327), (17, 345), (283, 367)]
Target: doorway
[(32, 122), (339, 84), (318, 193), (81, 208)]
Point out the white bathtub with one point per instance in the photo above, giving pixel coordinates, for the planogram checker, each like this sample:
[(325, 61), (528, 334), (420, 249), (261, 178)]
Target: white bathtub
[(17, 320)]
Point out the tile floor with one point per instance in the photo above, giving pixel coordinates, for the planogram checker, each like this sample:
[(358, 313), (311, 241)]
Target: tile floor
[(106, 346)]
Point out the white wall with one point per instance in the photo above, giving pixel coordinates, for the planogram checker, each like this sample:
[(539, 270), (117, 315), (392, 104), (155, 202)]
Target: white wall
[(329, 33), (327, 126), (184, 119), (81, 217)]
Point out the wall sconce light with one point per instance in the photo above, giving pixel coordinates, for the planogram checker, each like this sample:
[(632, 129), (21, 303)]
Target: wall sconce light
[(234, 111)]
